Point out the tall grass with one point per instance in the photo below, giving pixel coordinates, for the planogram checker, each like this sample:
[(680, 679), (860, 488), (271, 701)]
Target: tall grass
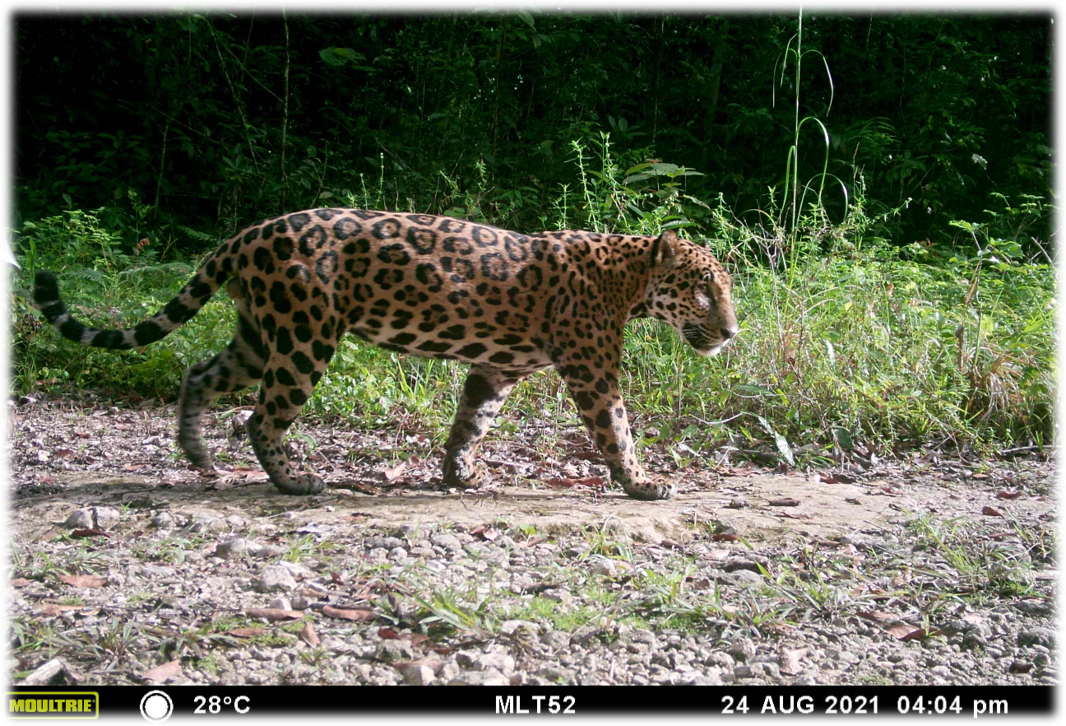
[(845, 337)]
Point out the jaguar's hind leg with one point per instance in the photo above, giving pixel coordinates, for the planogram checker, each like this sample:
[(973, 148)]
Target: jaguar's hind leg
[(239, 365)]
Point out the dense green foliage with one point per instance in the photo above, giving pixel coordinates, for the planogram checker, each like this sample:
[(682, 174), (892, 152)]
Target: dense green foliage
[(218, 120), (883, 204)]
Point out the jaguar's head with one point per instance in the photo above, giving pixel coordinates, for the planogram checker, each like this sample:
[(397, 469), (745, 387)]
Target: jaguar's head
[(690, 290)]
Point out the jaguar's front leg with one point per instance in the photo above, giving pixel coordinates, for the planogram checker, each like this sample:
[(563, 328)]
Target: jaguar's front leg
[(599, 400), (484, 392)]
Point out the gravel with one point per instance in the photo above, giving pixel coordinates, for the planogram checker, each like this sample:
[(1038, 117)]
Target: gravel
[(244, 586)]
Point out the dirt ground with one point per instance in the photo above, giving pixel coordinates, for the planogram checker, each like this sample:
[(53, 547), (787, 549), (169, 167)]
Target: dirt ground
[(131, 567)]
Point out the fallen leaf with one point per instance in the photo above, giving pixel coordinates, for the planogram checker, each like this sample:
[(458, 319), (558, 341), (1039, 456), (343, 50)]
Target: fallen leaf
[(1008, 495), (590, 481), (991, 512), (308, 635), (83, 580), (486, 533), (163, 672), (393, 472), (725, 537), (345, 614), (246, 632), (837, 478), (79, 533), (51, 608), (878, 616), (19, 582), (390, 634), (672, 544), (273, 614), (784, 502), (63, 452)]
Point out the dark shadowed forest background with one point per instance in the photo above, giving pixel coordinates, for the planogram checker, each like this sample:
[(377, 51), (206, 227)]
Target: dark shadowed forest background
[(880, 185)]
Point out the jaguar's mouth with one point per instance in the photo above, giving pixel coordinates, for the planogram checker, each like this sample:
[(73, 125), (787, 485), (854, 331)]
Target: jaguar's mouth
[(706, 344)]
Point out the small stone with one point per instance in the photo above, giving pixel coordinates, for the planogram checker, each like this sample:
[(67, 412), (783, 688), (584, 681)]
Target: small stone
[(557, 594), (394, 651), (1037, 636), (510, 627), (164, 520), (275, 578), (204, 522), (720, 659), (106, 517), (447, 541), (280, 603), (80, 519), (481, 678), (757, 669), (743, 578), (418, 675), (605, 567), (232, 548), (1020, 666), (498, 661), (397, 553), (742, 649), (941, 672)]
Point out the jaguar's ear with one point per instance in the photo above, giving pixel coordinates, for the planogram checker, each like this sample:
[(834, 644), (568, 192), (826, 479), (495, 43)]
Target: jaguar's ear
[(664, 250)]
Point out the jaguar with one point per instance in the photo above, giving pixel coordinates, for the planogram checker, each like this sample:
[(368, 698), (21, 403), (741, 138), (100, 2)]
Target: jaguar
[(509, 304)]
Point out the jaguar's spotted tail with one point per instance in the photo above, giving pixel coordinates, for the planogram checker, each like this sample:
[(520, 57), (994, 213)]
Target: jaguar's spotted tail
[(173, 315)]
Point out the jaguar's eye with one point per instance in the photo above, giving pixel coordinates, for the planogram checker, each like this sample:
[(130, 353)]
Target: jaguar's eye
[(713, 300)]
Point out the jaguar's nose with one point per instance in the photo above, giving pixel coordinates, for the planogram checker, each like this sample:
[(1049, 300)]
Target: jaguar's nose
[(727, 333)]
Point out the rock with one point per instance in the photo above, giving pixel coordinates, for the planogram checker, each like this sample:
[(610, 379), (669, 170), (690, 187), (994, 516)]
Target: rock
[(755, 670), (418, 675), (394, 651), (232, 548), (744, 578), (447, 541), (496, 661), (605, 567), (275, 578), (164, 520), (742, 649), (51, 673), (93, 518), (510, 627), (204, 522), (481, 678), (557, 594), (720, 659), (1037, 636)]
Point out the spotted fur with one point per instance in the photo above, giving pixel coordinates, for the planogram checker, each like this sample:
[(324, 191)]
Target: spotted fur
[(509, 304)]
